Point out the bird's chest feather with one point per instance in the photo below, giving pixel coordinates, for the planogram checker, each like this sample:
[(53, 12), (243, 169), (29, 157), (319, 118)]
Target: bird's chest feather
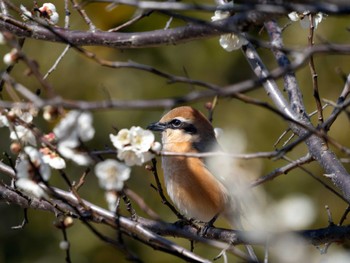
[(192, 188)]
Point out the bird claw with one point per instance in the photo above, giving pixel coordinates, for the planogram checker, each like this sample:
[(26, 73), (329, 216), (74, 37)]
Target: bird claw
[(183, 222), (204, 229)]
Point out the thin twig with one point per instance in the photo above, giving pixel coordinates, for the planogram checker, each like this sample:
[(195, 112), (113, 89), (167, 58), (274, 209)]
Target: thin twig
[(314, 75), (83, 14), (283, 170), (58, 60)]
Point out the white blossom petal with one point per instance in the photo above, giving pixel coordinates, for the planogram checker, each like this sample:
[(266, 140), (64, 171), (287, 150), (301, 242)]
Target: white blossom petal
[(122, 139), (295, 212), (219, 15), (141, 140), (111, 199), (11, 57), (31, 188), (74, 154), (318, 19), (22, 168), (54, 18), (26, 117), (75, 126), (25, 13), (130, 156), (85, 129), (37, 159), (50, 10), (32, 157), (231, 42), (112, 174), (304, 18), (146, 156), (3, 121), (54, 160), (156, 147), (23, 134), (294, 16)]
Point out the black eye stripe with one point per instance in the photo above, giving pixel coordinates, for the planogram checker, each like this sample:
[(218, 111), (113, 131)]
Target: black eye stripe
[(177, 124), (189, 128)]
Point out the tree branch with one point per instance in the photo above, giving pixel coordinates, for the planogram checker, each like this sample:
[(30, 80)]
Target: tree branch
[(145, 229), (316, 145)]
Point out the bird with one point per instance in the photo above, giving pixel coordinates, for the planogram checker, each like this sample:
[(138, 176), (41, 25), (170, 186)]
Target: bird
[(189, 180), (190, 184)]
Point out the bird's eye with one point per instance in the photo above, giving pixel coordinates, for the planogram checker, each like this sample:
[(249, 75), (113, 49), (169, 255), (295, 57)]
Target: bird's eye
[(175, 123)]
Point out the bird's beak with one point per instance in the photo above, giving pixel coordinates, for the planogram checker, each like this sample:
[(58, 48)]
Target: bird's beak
[(157, 126)]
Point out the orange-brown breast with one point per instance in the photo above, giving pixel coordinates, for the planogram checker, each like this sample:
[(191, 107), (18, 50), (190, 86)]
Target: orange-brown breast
[(193, 189)]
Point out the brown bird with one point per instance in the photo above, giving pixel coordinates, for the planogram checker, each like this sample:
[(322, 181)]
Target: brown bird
[(192, 187), (195, 189)]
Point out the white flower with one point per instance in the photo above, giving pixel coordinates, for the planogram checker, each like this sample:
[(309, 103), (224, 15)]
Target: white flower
[(134, 145), (74, 127), (219, 15), (20, 132), (73, 153), (231, 41), (31, 188), (32, 158), (294, 16), (130, 156), (52, 159), (156, 147), (141, 139), (304, 18), (23, 134), (112, 174), (295, 212), (11, 57), (111, 199), (25, 13), (3, 121), (122, 139), (48, 10)]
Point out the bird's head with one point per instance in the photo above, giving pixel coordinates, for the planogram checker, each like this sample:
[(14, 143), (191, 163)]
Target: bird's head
[(185, 125)]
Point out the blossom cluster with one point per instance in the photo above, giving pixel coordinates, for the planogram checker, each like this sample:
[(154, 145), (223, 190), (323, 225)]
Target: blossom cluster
[(21, 120), (46, 11), (230, 41), (135, 145), (34, 164), (31, 169), (304, 18), (70, 132)]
